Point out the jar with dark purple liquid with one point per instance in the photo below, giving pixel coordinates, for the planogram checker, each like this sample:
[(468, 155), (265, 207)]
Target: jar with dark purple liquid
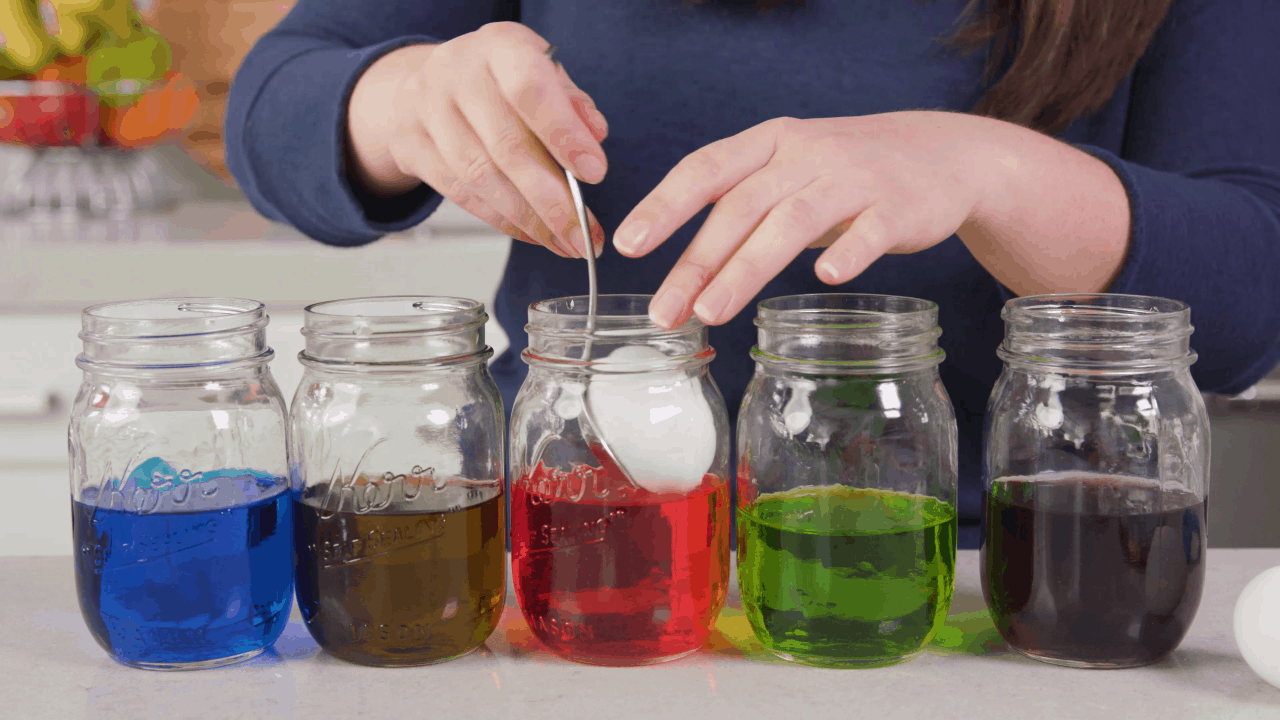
[(1096, 483)]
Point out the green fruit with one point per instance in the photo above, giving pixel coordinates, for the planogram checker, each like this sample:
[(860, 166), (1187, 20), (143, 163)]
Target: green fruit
[(120, 69)]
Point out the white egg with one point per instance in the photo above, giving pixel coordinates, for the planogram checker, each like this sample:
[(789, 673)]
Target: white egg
[(1257, 625), (658, 424)]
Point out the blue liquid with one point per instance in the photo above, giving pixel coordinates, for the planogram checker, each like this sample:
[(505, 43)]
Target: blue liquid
[(205, 574)]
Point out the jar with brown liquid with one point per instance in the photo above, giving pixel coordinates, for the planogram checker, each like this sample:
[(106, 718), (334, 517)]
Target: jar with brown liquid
[(396, 452)]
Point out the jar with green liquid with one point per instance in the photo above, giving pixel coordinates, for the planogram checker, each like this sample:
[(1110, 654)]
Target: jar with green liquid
[(846, 480)]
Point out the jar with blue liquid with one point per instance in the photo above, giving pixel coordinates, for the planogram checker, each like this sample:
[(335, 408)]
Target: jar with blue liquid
[(181, 515)]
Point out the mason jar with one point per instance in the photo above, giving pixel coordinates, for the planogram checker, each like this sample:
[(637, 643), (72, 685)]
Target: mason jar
[(846, 480), (397, 459), (619, 493), (179, 494), (1097, 472)]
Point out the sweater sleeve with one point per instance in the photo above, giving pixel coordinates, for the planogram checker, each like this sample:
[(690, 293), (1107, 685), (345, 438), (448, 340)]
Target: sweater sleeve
[(1201, 164), (287, 112)]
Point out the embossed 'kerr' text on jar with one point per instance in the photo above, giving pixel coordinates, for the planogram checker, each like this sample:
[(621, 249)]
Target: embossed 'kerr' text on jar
[(180, 506), (397, 458)]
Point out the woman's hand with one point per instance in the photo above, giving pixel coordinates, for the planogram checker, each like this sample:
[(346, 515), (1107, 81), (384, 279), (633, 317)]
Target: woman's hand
[(488, 121), (867, 186)]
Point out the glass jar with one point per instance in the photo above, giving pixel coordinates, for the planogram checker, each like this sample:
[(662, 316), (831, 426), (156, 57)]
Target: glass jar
[(619, 493), (397, 459), (180, 506), (1097, 471), (846, 480)]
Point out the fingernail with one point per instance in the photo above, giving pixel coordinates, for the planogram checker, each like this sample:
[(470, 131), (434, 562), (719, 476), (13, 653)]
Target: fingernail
[(589, 168), (630, 238), (712, 303), (598, 120), (555, 248), (565, 246), (834, 267), (666, 306)]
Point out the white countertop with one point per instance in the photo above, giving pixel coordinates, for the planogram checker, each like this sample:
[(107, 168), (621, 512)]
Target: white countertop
[(51, 668)]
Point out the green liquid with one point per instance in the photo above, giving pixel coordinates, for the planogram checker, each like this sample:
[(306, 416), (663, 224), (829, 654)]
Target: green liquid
[(842, 576)]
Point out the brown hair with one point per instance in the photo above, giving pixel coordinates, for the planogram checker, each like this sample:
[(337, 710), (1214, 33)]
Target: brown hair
[(1060, 58)]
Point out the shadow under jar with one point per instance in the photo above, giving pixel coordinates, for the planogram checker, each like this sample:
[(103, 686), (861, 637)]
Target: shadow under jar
[(180, 505), (1097, 459), (619, 497), (397, 459), (846, 480)]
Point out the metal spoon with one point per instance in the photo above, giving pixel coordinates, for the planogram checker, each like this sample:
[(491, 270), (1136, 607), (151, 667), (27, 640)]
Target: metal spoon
[(588, 428)]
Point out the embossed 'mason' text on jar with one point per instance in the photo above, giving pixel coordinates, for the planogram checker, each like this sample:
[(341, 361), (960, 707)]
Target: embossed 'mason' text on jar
[(180, 506), (397, 457)]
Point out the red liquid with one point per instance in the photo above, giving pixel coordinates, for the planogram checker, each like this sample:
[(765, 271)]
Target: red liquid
[(610, 574)]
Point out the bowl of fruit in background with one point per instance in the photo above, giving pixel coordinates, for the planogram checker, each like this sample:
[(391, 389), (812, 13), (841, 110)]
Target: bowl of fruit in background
[(86, 89)]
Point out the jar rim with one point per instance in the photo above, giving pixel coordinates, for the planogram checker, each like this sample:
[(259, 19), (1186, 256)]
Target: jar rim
[(843, 311), (835, 333), (558, 334), (394, 331), (1098, 307), (1097, 333), (174, 335), (400, 313), (169, 317), (623, 314)]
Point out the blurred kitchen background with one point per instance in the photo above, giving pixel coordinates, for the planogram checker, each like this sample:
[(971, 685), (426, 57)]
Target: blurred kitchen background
[(123, 193)]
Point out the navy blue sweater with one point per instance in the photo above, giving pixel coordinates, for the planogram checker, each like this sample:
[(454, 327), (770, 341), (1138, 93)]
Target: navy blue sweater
[(1192, 134)]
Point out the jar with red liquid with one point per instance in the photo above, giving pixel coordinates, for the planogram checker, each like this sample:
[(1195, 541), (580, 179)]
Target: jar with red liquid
[(1097, 471), (619, 497), (397, 459)]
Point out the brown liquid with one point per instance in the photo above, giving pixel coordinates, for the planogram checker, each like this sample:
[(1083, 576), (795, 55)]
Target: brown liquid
[(409, 584)]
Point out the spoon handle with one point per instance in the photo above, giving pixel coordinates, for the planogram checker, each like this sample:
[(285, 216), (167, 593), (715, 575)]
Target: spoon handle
[(592, 292), (589, 427), (593, 295)]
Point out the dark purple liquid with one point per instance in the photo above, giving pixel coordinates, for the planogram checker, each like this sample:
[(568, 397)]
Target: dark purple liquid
[(1092, 569)]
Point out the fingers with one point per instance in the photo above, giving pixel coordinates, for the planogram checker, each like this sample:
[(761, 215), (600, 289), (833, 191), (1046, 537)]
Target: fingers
[(532, 84), (868, 237), (730, 223), (597, 233), (482, 210), (419, 155), (474, 173), (788, 228), (584, 106), (701, 178), (524, 161)]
